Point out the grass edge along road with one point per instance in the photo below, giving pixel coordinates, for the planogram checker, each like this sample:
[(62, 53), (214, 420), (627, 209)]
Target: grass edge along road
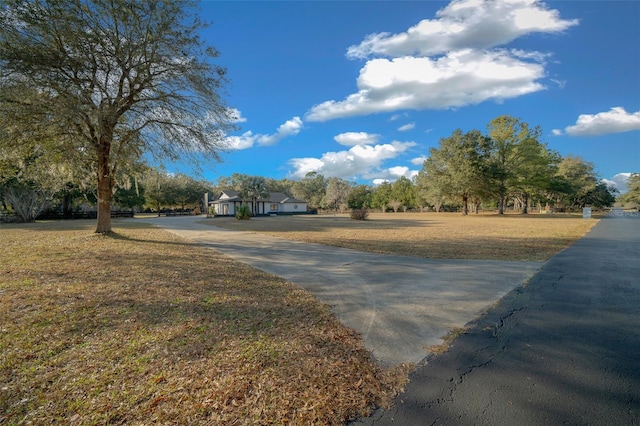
[(144, 326)]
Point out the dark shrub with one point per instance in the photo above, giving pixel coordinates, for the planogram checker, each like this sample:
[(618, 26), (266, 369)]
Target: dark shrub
[(243, 212), (359, 214)]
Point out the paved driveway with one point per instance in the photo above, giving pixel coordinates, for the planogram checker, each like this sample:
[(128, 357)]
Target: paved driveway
[(564, 350), (400, 305)]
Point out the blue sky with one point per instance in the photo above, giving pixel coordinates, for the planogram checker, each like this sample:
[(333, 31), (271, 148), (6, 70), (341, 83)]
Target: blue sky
[(362, 89)]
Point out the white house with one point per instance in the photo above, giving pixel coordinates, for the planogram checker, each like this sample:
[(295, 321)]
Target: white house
[(276, 203)]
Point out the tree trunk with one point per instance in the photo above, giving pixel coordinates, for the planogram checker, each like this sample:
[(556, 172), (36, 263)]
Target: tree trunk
[(525, 203), (104, 205), (105, 184), (502, 196), (465, 205)]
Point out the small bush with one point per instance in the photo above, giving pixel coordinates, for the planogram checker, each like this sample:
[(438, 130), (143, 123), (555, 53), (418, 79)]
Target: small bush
[(243, 212), (359, 214)]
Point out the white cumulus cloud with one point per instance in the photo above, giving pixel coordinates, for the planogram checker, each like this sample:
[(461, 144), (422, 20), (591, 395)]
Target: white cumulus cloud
[(356, 138), (359, 160), (289, 128), (392, 174), (406, 127), (619, 181), (461, 78), (454, 60), (478, 24), (419, 161), (249, 139), (244, 141), (395, 117), (616, 120)]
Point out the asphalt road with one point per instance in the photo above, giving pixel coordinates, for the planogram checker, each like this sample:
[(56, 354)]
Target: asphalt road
[(400, 305), (564, 350)]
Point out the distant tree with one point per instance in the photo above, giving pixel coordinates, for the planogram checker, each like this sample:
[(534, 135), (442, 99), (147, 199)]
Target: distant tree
[(336, 193), (106, 80), (577, 179), (382, 196), (404, 191), (312, 188), (456, 167), (284, 186), (223, 183), (512, 141), (36, 175), (533, 166), (632, 196), (158, 189), (130, 194), (601, 196), (429, 193), (395, 205), (360, 197), (189, 191), (253, 188)]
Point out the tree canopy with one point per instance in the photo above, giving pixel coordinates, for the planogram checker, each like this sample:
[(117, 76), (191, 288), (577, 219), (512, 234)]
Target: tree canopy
[(104, 81), (508, 163)]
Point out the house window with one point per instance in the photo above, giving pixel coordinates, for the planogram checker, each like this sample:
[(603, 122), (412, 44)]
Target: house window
[(274, 207), (295, 206)]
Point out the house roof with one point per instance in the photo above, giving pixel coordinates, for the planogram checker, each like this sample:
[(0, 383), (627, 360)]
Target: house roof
[(229, 194), (274, 197), (279, 197), (293, 200), (226, 196)]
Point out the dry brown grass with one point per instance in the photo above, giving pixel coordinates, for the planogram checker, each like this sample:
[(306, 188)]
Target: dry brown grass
[(430, 235), (143, 327)]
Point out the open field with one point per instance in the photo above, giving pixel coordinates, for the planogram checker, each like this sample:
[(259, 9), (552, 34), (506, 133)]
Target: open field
[(429, 235), (143, 327)]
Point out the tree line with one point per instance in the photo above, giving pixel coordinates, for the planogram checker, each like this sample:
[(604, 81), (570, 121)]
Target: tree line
[(508, 167), (28, 189)]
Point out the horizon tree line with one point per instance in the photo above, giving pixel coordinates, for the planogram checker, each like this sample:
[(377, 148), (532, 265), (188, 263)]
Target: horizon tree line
[(508, 167)]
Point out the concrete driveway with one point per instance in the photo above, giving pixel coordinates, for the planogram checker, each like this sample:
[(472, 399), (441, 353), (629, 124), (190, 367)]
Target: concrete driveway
[(400, 305)]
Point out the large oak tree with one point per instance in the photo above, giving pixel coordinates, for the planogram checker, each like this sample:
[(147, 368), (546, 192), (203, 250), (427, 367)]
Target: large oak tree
[(107, 80), (456, 167)]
